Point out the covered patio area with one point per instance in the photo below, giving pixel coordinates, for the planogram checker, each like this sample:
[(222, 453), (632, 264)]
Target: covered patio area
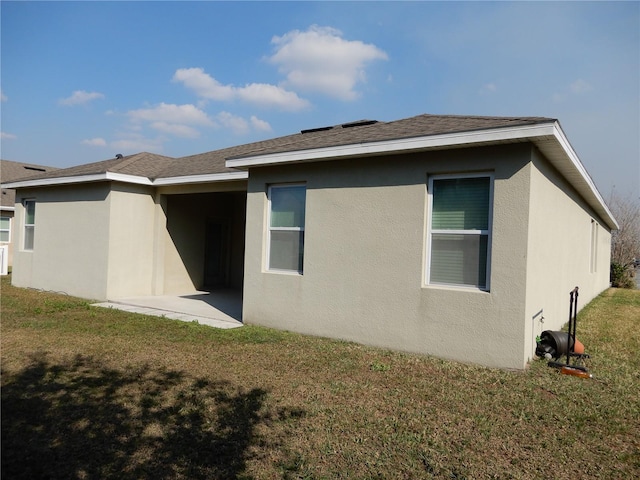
[(219, 309)]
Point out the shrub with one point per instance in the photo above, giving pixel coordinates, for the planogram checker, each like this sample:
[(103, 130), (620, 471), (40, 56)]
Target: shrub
[(622, 276)]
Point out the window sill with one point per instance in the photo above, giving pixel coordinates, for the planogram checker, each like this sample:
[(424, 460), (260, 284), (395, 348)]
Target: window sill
[(456, 288), (284, 272)]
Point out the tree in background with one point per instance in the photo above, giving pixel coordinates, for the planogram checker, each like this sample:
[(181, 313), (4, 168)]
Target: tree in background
[(625, 242)]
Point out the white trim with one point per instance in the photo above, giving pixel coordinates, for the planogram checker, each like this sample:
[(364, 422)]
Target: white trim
[(269, 229), (8, 229), (430, 231), (212, 177), (577, 164), (121, 177), (546, 136), (460, 232), (26, 225), (97, 177), (7, 209), (399, 145), (135, 179)]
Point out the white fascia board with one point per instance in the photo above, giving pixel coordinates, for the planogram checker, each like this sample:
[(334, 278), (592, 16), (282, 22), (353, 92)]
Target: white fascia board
[(577, 164), (213, 177), (396, 146), (55, 181), (98, 177), (121, 177)]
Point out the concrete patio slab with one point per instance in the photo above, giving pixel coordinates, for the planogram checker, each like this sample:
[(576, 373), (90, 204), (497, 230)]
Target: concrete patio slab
[(219, 309)]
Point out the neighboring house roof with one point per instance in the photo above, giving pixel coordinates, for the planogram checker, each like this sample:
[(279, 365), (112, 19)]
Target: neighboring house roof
[(356, 139), (12, 171)]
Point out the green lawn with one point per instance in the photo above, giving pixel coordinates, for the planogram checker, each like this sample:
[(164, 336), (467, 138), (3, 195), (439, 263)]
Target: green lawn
[(97, 394)]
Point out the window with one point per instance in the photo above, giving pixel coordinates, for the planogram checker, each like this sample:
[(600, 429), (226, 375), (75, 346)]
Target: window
[(29, 223), (460, 230), (285, 241), (594, 247), (5, 229)]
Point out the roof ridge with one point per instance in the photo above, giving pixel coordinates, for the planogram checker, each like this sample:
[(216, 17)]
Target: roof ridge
[(481, 117), (128, 160)]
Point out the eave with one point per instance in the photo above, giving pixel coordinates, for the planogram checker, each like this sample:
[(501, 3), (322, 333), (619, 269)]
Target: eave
[(133, 179), (191, 179), (548, 137)]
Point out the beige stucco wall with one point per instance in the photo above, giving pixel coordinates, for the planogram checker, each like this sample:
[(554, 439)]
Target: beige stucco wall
[(560, 251), (70, 240), (109, 240), (364, 258), (95, 240), (132, 240)]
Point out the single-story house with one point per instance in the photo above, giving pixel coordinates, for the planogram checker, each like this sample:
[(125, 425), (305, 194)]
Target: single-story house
[(9, 172), (455, 236)]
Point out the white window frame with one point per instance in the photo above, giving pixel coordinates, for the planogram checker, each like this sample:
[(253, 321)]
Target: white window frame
[(29, 225), (8, 230), (431, 232), (281, 229)]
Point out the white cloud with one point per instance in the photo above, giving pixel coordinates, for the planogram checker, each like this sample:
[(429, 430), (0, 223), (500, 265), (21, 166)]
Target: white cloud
[(7, 136), (3, 97), (265, 95), (237, 124), (80, 97), (260, 125), (488, 88), (580, 86), (203, 84), (95, 142), (176, 120), (184, 131), (270, 95), (321, 60), (172, 114)]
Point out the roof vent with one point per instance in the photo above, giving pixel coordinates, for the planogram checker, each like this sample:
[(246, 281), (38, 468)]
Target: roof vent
[(118, 155), (311, 130), (34, 168), (360, 123)]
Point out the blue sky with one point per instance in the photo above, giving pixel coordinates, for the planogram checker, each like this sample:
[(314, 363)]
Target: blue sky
[(82, 81)]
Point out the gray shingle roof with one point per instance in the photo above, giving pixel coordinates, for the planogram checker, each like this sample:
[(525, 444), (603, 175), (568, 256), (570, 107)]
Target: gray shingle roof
[(10, 171), (140, 164), (362, 131), (155, 166), (367, 131)]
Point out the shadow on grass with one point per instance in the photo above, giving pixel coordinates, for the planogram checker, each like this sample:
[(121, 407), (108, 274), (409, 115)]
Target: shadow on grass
[(80, 420)]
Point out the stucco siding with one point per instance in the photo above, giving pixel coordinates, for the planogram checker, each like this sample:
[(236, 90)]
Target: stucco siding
[(364, 257), (131, 241), (71, 238), (561, 251)]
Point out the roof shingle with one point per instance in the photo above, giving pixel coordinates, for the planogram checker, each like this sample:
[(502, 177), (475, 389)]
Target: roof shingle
[(155, 166), (11, 171)]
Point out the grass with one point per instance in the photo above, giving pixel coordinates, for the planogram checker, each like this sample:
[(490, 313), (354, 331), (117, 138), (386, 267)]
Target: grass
[(97, 393)]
